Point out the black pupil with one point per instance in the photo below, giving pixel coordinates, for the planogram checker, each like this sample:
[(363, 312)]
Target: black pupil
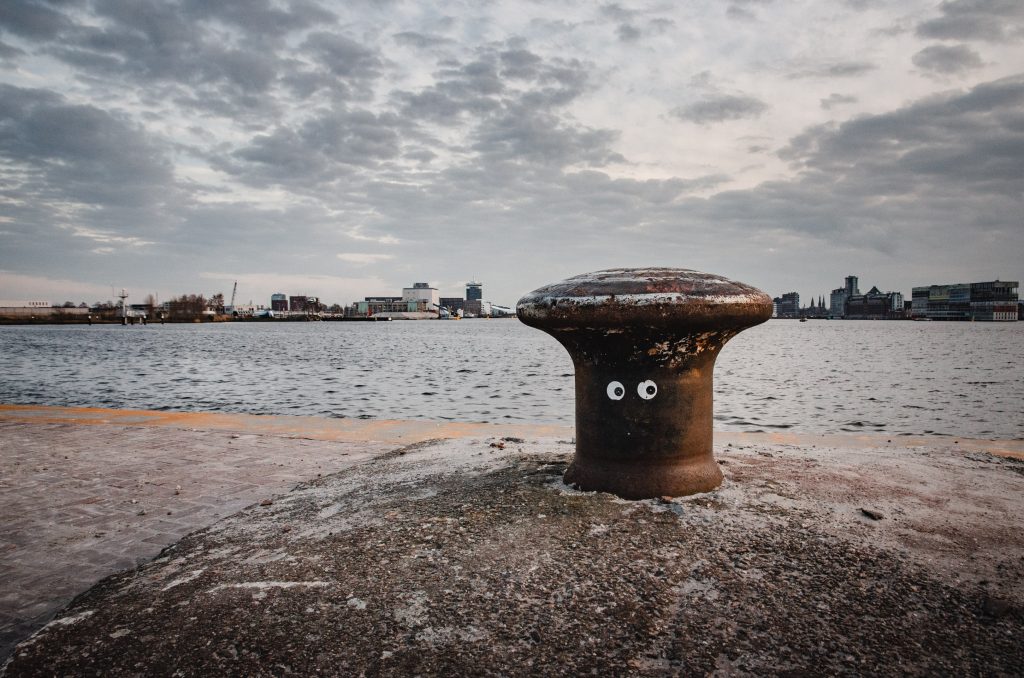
[(618, 390), (650, 390)]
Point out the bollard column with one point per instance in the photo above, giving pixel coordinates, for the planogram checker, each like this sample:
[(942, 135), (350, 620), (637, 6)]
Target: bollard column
[(644, 343)]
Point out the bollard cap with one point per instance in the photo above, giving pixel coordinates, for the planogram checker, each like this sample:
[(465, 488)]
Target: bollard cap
[(675, 298)]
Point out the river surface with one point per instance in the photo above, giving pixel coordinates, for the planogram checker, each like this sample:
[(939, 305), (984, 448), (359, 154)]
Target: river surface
[(956, 379)]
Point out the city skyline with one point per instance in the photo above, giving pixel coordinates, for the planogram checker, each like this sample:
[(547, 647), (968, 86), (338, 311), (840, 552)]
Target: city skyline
[(341, 149)]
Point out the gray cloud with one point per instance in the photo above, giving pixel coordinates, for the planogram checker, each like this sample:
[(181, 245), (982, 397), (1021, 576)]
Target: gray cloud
[(956, 143), (947, 60), (988, 20), (326, 147), (343, 56), (421, 40), (741, 10), (10, 52), (834, 99), (529, 135), (617, 12), (31, 19), (720, 108), (78, 154), (845, 69), (628, 33), (244, 127)]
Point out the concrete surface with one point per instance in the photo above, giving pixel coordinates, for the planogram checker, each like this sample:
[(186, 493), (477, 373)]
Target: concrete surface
[(80, 503), (469, 556)]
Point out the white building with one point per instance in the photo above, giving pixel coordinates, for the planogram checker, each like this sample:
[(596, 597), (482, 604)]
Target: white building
[(422, 291)]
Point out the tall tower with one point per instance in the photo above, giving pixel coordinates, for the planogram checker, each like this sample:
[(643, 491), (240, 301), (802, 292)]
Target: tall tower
[(474, 291), (851, 286)]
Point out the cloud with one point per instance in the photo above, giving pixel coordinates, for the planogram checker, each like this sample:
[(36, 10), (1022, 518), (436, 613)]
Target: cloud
[(356, 234), (986, 20), (834, 99), (421, 40), (246, 135), (25, 287), (81, 157), (720, 108), (322, 149), (30, 19), (628, 33), (363, 257), (108, 238), (960, 151), (950, 60), (844, 69), (9, 53)]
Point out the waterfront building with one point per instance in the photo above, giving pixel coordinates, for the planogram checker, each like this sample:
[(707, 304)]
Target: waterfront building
[(875, 305), (996, 300), (787, 306), (474, 291), (851, 286), (453, 304), (422, 291), (391, 307), (278, 302), (29, 309), (25, 308), (304, 304), (837, 302), (478, 308)]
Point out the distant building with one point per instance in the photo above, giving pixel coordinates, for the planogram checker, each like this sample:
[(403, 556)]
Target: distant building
[(25, 304), (851, 286), (875, 305), (278, 302), (837, 302), (419, 302), (478, 308), (304, 304), (474, 291), (787, 306), (453, 304), (985, 301), (422, 291)]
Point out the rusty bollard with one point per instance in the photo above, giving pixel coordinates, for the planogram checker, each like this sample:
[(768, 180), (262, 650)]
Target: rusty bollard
[(644, 343)]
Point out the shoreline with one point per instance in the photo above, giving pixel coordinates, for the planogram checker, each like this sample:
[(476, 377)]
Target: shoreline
[(409, 431)]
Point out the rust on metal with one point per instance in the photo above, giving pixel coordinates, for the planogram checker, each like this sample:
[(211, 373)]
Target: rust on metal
[(644, 343)]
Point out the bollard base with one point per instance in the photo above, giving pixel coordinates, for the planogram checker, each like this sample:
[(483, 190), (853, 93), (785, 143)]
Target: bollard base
[(644, 481)]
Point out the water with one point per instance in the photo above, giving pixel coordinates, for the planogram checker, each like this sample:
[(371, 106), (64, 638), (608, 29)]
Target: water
[(962, 379)]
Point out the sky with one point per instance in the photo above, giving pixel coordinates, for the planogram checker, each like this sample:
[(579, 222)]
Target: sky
[(345, 149)]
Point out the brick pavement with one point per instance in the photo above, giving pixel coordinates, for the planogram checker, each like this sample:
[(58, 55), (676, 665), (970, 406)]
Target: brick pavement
[(82, 502)]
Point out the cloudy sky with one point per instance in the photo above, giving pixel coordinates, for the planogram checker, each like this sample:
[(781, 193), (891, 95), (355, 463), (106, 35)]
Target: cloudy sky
[(349, 148)]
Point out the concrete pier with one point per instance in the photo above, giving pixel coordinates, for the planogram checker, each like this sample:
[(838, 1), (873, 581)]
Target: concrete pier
[(413, 547)]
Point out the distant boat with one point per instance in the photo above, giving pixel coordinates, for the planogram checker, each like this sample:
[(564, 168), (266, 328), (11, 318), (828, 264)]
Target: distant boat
[(803, 320)]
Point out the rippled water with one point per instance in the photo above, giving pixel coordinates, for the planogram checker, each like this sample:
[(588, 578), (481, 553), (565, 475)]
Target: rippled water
[(820, 376)]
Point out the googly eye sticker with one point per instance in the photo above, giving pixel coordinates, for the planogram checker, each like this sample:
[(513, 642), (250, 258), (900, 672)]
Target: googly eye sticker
[(647, 389), (616, 391)]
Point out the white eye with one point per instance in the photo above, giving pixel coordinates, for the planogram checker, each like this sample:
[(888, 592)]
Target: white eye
[(647, 389), (616, 390)]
